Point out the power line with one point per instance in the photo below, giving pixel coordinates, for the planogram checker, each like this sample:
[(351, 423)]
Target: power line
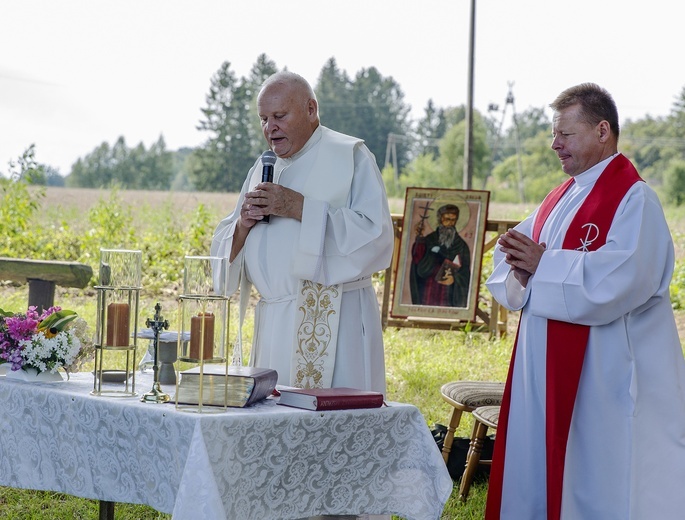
[(667, 142)]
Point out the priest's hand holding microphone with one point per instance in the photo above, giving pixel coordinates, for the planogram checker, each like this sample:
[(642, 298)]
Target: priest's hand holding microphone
[(270, 199), (266, 199)]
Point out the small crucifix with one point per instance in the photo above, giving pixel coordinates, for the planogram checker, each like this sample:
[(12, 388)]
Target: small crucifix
[(156, 395)]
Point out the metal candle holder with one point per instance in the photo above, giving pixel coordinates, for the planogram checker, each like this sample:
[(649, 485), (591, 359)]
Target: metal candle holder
[(156, 395), (118, 295), (203, 316)]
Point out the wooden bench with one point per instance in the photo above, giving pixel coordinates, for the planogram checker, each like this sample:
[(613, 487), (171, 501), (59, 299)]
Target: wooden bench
[(43, 275)]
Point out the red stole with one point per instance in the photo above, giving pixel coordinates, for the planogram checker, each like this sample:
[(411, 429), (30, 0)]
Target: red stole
[(566, 342)]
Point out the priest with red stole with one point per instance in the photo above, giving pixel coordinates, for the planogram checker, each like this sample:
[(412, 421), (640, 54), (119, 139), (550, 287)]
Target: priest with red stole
[(592, 425)]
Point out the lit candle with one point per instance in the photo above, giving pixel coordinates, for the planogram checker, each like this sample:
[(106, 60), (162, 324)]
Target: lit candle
[(198, 339), (118, 315)]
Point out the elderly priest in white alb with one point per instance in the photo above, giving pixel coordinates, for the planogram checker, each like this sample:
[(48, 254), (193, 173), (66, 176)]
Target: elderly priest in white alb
[(592, 425), (318, 321)]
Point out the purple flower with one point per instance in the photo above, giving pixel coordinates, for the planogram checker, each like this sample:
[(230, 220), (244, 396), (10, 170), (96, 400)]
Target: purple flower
[(46, 312), (14, 329), (21, 327), (22, 345)]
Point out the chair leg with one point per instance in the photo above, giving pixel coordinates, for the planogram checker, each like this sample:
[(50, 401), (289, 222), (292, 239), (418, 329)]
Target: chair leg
[(449, 436), (472, 458)]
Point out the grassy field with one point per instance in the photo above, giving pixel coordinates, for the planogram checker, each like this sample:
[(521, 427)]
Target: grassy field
[(418, 361)]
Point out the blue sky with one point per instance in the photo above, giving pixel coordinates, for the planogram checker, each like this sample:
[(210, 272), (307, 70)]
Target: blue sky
[(75, 73)]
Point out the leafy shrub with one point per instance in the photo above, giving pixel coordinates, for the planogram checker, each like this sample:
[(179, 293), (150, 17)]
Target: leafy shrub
[(164, 236), (18, 206)]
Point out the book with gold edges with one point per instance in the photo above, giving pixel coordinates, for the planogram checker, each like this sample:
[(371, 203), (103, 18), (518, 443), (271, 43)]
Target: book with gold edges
[(330, 398), (240, 387)]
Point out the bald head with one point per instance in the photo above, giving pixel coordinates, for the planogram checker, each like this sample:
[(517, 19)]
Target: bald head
[(288, 111), (291, 80)]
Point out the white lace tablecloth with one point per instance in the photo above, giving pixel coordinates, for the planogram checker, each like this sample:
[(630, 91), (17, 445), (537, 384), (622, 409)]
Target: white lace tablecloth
[(263, 462)]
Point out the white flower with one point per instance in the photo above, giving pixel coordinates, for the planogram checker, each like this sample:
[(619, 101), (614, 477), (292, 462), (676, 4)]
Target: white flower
[(50, 354)]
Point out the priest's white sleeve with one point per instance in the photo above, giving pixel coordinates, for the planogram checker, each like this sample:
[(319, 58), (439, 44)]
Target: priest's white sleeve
[(502, 283), (632, 270), (338, 245), (222, 240)]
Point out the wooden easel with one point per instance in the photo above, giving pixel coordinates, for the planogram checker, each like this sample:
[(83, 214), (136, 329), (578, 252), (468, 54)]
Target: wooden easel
[(494, 321)]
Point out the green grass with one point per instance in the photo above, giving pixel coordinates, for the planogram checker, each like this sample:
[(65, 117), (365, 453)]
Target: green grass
[(21, 504), (418, 362)]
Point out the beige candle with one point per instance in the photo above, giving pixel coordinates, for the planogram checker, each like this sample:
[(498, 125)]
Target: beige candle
[(118, 320), (198, 339)]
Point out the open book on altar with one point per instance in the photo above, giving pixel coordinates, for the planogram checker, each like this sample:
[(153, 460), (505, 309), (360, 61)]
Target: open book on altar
[(240, 387), (329, 398)]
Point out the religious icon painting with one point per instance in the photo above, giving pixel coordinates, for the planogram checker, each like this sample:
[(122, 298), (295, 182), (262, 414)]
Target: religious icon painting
[(437, 270)]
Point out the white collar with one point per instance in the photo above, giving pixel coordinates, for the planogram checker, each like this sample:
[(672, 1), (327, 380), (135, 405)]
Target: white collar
[(591, 175)]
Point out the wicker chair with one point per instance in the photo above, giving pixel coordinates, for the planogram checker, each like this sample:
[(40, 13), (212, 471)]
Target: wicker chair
[(466, 396)]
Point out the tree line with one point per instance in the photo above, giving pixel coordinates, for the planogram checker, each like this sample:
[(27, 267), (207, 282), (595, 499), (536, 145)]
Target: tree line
[(515, 164)]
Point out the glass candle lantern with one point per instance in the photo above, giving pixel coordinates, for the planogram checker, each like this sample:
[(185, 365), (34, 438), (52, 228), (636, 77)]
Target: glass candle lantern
[(117, 322), (203, 318)]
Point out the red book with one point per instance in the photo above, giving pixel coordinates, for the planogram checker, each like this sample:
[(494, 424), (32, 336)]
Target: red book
[(330, 398)]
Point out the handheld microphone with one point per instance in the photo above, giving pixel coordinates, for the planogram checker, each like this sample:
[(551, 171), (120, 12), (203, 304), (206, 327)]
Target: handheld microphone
[(268, 161)]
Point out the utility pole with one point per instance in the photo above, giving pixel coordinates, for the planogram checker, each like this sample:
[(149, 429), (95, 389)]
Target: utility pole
[(391, 151), (519, 170), (468, 141)]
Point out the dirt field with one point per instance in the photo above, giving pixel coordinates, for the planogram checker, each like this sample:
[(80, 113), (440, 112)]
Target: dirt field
[(222, 203), (85, 198)]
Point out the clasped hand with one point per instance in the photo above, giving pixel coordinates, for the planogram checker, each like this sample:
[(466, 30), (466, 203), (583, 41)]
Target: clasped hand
[(521, 253), (270, 199)]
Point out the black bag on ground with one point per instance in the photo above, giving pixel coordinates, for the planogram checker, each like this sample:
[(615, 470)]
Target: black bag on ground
[(456, 463)]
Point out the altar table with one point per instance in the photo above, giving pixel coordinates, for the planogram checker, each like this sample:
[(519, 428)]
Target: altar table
[(263, 462)]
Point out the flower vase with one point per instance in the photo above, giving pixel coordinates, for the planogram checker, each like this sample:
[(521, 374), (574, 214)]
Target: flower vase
[(32, 375)]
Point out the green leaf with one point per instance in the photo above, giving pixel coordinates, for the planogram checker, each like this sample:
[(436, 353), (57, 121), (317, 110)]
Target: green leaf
[(58, 320)]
